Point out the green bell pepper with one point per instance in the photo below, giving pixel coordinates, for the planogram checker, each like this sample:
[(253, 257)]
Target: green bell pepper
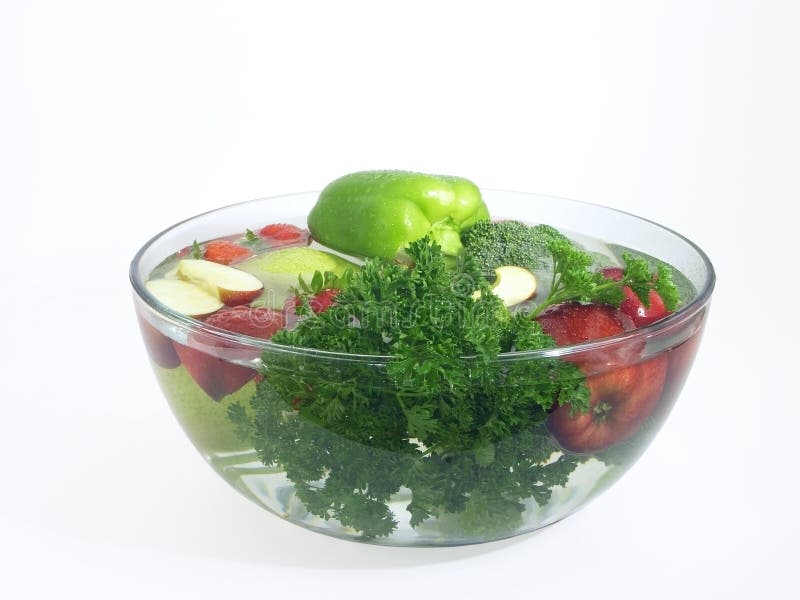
[(378, 213)]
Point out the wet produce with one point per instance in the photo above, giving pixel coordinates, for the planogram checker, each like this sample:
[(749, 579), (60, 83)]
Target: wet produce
[(414, 369), (378, 213)]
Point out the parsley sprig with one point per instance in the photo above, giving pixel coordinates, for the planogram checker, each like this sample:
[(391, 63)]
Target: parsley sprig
[(443, 417), (573, 280)]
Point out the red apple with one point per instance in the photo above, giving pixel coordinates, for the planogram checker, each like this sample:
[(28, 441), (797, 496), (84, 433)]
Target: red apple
[(623, 391), (681, 358), (218, 377), (159, 346), (572, 322), (620, 401), (215, 376)]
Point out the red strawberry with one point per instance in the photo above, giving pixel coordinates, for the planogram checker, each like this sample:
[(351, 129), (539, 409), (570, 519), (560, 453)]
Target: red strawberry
[(217, 377), (633, 307), (623, 393), (319, 302), (159, 346), (225, 252), (283, 234)]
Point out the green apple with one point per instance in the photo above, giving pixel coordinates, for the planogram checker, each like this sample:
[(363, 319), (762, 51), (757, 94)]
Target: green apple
[(280, 270)]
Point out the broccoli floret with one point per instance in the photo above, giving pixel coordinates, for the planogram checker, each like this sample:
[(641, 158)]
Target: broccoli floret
[(494, 244)]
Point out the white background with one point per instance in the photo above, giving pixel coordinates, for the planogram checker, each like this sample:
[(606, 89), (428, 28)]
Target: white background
[(119, 118)]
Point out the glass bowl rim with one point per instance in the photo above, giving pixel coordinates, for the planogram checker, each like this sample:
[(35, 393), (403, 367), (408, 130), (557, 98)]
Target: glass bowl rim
[(673, 321)]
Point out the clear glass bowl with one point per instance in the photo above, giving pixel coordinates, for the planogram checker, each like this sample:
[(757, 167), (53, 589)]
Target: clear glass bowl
[(529, 481)]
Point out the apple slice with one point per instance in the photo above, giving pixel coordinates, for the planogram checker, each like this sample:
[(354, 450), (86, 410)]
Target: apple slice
[(218, 377), (513, 285), (183, 297), (231, 286)]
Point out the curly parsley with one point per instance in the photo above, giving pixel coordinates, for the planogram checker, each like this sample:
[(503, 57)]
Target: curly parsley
[(573, 280), (443, 417)]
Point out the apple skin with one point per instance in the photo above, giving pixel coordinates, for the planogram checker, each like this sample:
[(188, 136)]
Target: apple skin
[(681, 358), (238, 298), (572, 322), (217, 377), (218, 280), (620, 401), (159, 346), (623, 391)]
